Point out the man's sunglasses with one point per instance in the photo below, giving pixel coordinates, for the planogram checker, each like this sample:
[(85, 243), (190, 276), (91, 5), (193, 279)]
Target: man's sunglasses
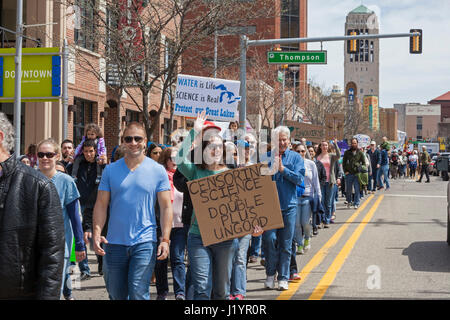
[(129, 139), (49, 155)]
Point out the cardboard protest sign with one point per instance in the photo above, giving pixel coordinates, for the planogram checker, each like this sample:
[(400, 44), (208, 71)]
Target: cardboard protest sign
[(218, 97), (230, 204), (363, 140), (310, 132)]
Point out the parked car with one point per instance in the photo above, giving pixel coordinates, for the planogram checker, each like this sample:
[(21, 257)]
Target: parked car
[(432, 167)]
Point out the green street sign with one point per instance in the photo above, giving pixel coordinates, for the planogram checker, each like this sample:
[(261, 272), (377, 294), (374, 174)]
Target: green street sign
[(280, 76), (41, 74), (297, 57)]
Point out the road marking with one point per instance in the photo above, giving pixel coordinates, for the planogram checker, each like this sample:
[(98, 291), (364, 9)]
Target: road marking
[(413, 195), (333, 270), (321, 254)]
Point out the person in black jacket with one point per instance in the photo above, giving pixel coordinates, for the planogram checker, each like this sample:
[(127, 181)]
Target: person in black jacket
[(31, 228), (87, 183), (375, 161)]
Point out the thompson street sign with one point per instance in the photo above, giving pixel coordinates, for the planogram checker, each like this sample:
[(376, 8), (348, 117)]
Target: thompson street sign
[(297, 57)]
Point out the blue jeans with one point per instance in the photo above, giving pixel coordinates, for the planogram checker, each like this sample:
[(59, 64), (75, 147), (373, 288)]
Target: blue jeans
[(128, 270), (255, 247), (326, 202), (334, 198), (302, 224), (84, 266), (178, 240), (351, 181), (277, 246), (373, 180), (384, 170), (239, 273), (210, 267)]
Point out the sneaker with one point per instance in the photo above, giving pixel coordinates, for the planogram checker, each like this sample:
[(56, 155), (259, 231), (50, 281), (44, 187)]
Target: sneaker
[(300, 250), (428, 181), (239, 297), (270, 282), (263, 262), (69, 298), (161, 297), (348, 205), (85, 276), (345, 202), (356, 206), (252, 259), (315, 232), (283, 285), (295, 277), (307, 245), (180, 297)]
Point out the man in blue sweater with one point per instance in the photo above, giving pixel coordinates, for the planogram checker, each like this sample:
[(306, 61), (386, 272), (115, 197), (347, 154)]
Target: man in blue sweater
[(375, 161), (277, 243)]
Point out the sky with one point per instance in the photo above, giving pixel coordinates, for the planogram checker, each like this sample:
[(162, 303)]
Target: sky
[(404, 77)]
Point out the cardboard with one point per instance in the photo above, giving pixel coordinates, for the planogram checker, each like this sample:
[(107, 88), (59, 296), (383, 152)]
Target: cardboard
[(334, 124), (230, 204), (310, 132)]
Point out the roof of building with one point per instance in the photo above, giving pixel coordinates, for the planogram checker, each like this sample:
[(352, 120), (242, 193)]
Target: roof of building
[(445, 96), (361, 9)]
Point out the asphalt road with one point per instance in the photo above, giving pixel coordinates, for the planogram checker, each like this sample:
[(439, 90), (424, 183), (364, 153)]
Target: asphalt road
[(393, 247)]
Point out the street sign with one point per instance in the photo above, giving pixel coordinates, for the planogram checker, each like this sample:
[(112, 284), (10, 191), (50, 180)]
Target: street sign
[(40, 76), (297, 57), (280, 76)]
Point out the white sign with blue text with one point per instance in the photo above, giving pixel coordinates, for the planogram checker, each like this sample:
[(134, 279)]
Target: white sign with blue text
[(218, 97)]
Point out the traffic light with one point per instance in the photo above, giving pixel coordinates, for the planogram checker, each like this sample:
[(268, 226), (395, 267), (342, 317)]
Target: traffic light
[(284, 66), (352, 45), (415, 42)]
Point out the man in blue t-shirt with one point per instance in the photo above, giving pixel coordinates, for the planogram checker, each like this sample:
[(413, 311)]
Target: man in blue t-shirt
[(131, 186)]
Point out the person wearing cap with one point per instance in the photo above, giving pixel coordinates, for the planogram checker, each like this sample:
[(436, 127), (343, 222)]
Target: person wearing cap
[(393, 161), (425, 160), (375, 161), (210, 266)]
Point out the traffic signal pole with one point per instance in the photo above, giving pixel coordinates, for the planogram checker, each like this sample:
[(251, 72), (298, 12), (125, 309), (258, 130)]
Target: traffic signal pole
[(245, 43)]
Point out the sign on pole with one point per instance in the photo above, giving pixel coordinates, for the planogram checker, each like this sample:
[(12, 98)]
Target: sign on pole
[(218, 97), (40, 75), (230, 204), (297, 57)]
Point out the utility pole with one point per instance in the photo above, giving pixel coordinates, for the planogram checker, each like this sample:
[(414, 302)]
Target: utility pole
[(18, 77), (65, 80)]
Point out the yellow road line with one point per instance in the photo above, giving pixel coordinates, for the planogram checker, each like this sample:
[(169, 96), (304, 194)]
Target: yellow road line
[(321, 254), (332, 272)]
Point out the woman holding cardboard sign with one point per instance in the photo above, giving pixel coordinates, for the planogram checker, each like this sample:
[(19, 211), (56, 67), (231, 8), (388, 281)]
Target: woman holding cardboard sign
[(210, 266)]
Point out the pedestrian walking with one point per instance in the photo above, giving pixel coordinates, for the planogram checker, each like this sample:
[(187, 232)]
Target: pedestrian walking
[(67, 152), (425, 160), (384, 168), (375, 164), (353, 163), (413, 163), (48, 154), (278, 243), (32, 256), (130, 186), (210, 266)]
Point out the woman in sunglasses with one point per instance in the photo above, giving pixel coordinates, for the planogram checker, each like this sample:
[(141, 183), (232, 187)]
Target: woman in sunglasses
[(154, 151), (211, 266), (48, 155)]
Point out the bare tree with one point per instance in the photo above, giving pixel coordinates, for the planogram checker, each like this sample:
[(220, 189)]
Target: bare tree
[(144, 42)]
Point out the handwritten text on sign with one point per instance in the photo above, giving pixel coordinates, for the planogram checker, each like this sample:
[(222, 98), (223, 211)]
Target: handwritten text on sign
[(230, 204), (218, 97)]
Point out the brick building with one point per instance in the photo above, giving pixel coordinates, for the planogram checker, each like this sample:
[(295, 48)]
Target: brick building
[(388, 122), (419, 121), (444, 101), (90, 100), (289, 20)]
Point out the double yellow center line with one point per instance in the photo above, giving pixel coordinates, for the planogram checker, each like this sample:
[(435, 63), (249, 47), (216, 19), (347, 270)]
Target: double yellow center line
[(331, 273)]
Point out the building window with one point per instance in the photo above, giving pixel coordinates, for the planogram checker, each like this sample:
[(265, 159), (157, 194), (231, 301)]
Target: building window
[(290, 22), (82, 115), (131, 116), (85, 35)]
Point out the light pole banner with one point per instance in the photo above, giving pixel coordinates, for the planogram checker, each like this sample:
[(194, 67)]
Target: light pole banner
[(218, 97), (40, 76)]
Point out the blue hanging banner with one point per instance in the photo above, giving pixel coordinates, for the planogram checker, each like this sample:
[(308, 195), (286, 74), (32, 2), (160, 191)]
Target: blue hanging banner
[(56, 76)]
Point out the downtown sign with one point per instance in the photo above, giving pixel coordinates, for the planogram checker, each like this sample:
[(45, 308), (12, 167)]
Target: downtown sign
[(40, 76)]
